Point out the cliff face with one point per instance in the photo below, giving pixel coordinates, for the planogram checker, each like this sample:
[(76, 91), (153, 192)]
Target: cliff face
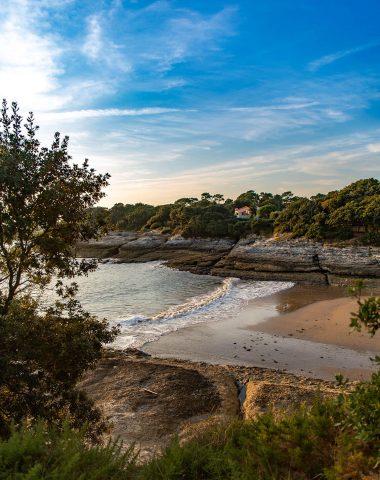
[(253, 258)]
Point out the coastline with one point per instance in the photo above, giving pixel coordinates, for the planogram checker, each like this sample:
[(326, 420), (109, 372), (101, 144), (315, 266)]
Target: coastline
[(255, 258), (312, 344)]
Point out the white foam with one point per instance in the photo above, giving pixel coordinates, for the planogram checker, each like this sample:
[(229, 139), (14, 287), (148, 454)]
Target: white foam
[(226, 300)]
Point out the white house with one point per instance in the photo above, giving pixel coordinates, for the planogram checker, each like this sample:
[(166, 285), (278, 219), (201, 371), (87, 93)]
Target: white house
[(243, 213)]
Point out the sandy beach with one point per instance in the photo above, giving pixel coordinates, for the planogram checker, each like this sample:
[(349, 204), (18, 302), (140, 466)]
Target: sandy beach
[(325, 321), (303, 330)]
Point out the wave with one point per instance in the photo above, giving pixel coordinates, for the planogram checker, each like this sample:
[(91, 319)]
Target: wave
[(188, 308), (227, 299)]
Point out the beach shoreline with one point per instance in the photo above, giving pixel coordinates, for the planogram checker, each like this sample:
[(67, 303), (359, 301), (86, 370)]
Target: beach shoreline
[(303, 330)]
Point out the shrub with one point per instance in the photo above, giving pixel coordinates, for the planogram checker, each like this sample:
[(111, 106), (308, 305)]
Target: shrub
[(301, 446), (42, 454)]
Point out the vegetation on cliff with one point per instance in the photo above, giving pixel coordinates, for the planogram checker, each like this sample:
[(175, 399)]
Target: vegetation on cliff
[(353, 211), (337, 215)]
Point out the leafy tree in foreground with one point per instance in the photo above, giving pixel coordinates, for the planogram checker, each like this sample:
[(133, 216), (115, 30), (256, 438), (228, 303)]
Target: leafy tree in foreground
[(44, 202), (43, 206)]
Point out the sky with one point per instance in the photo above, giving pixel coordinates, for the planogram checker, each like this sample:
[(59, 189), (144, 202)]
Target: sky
[(178, 97)]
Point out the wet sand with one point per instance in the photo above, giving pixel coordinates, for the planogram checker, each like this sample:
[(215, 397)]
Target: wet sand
[(302, 330)]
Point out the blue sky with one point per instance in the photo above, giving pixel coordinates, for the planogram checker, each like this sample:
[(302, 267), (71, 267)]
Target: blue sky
[(178, 97)]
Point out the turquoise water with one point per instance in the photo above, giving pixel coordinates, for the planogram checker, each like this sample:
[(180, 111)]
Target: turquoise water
[(148, 300)]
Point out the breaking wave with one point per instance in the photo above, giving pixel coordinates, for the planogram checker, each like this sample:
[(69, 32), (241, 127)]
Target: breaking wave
[(225, 300)]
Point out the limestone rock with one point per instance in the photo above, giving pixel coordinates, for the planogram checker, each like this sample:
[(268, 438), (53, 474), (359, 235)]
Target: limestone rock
[(280, 398), (250, 258)]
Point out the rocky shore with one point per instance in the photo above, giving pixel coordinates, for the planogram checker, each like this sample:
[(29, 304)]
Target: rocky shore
[(149, 401), (250, 258)]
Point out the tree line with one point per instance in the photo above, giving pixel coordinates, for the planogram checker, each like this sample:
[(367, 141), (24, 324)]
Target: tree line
[(353, 211)]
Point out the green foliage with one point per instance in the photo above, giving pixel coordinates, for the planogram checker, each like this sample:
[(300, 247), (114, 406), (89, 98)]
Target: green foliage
[(368, 314), (210, 220), (43, 355), (337, 215), (358, 420), (361, 421), (41, 454), (161, 218), (46, 206), (98, 219), (44, 201), (300, 446)]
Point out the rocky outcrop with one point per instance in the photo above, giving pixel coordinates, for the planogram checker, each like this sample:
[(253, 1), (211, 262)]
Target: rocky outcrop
[(250, 258), (106, 247), (195, 254), (302, 260), (148, 401), (281, 398)]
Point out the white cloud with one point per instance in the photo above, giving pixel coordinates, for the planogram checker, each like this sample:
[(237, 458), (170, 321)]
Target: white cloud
[(98, 47), (29, 60), (155, 46), (93, 44), (106, 112), (374, 147), (304, 169), (333, 57)]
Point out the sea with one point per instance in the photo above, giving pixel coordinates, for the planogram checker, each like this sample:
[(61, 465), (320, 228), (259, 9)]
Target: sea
[(147, 300)]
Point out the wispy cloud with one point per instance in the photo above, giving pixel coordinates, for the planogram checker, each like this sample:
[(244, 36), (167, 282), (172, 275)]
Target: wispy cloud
[(93, 44), (98, 47), (152, 46), (105, 112), (34, 59), (374, 147), (333, 57)]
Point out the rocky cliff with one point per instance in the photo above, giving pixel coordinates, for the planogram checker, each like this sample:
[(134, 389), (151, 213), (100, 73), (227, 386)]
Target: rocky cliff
[(253, 258)]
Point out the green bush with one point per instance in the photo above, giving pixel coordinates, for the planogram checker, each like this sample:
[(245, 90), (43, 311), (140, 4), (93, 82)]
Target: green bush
[(300, 446), (371, 238), (41, 454)]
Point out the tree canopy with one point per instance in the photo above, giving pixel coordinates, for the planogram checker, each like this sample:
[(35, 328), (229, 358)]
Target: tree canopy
[(338, 215)]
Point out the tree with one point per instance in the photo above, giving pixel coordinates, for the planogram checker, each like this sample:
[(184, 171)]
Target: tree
[(186, 201), (43, 205), (44, 201), (248, 199), (117, 214), (218, 198), (137, 216), (206, 196)]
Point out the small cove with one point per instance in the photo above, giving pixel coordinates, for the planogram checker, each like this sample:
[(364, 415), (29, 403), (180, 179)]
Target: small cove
[(149, 299)]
